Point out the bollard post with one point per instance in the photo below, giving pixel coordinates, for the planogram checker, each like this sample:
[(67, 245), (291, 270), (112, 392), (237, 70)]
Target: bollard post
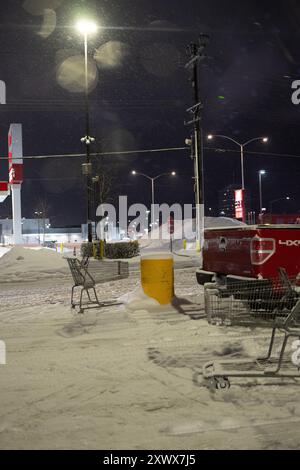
[(157, 277), (102, 254)]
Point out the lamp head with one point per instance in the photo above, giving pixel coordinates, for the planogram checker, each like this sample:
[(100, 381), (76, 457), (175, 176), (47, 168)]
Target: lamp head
[(85, 26)]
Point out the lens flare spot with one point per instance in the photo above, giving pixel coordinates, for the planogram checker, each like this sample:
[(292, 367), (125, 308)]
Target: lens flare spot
[(71, 74), (37, 7), (49, 23), (112, 54)]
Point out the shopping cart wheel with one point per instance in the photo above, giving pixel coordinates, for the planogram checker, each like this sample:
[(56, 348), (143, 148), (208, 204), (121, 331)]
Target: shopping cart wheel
[(218, 383), (212, 384), (222, 383)]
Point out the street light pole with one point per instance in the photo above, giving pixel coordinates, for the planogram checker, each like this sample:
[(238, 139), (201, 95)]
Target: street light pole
[(242, 167), (135, 173), (38, 214), (242, 149), (153, 199), (87, 142), (86, 27), (261, 174), (277, 200)]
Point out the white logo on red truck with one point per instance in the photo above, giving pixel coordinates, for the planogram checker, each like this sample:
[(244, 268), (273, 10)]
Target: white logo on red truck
[(290, 243), (262, 249)]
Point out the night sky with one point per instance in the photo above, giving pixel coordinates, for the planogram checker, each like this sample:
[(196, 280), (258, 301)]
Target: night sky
[(140, 91)]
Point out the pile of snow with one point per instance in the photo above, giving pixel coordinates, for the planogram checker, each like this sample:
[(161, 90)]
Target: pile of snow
[(159, 238), (138, 300), (4, 250), (219, 222), (25, 264)]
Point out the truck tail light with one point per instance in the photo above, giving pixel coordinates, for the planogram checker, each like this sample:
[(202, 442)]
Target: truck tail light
[(261, 250)]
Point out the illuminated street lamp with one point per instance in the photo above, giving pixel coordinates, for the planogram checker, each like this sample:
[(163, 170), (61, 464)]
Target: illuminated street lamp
[(261, 173), (87, 27), (135, 173), (38, 214), (277, 200), (242, 148)]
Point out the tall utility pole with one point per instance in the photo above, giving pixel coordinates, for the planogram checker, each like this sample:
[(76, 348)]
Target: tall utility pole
[(87, 167), (196, 53), (87, 27), (87, 140)]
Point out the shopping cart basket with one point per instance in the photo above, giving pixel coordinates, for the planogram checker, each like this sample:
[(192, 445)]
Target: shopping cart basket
[(271, 304)]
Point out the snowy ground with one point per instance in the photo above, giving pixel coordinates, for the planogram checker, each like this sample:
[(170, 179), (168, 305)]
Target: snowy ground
[(129, 380)]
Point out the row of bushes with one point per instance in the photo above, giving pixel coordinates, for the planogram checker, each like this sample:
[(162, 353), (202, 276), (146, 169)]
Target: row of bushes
[(99, 249)]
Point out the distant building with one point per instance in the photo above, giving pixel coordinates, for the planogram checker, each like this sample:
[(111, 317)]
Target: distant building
[(39, 231), (226, 201)]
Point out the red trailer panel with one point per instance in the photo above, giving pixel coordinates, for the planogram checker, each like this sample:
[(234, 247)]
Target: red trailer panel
[(252, 252)]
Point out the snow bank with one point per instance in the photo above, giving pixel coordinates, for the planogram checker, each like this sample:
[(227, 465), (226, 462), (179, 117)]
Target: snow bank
[(138, 300), (219, 222), (23, 264), (160, 238), (3, 251)]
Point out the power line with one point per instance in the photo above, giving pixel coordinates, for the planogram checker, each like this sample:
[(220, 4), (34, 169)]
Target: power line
[(265, 154), (102, 154), (42, 103), (169, 149)]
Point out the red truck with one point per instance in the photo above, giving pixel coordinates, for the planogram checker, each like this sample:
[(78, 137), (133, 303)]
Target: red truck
[(250, 252)]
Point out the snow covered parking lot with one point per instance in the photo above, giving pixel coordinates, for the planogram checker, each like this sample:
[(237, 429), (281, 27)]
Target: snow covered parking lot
[(121, 379)]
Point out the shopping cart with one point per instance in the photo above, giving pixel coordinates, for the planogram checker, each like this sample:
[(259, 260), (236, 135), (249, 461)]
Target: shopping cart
[(274, 304)]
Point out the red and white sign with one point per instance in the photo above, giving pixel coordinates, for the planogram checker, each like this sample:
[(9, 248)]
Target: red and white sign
[(16, 174), (3, 186), (4, 191), (240, 204), (15, 154)]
